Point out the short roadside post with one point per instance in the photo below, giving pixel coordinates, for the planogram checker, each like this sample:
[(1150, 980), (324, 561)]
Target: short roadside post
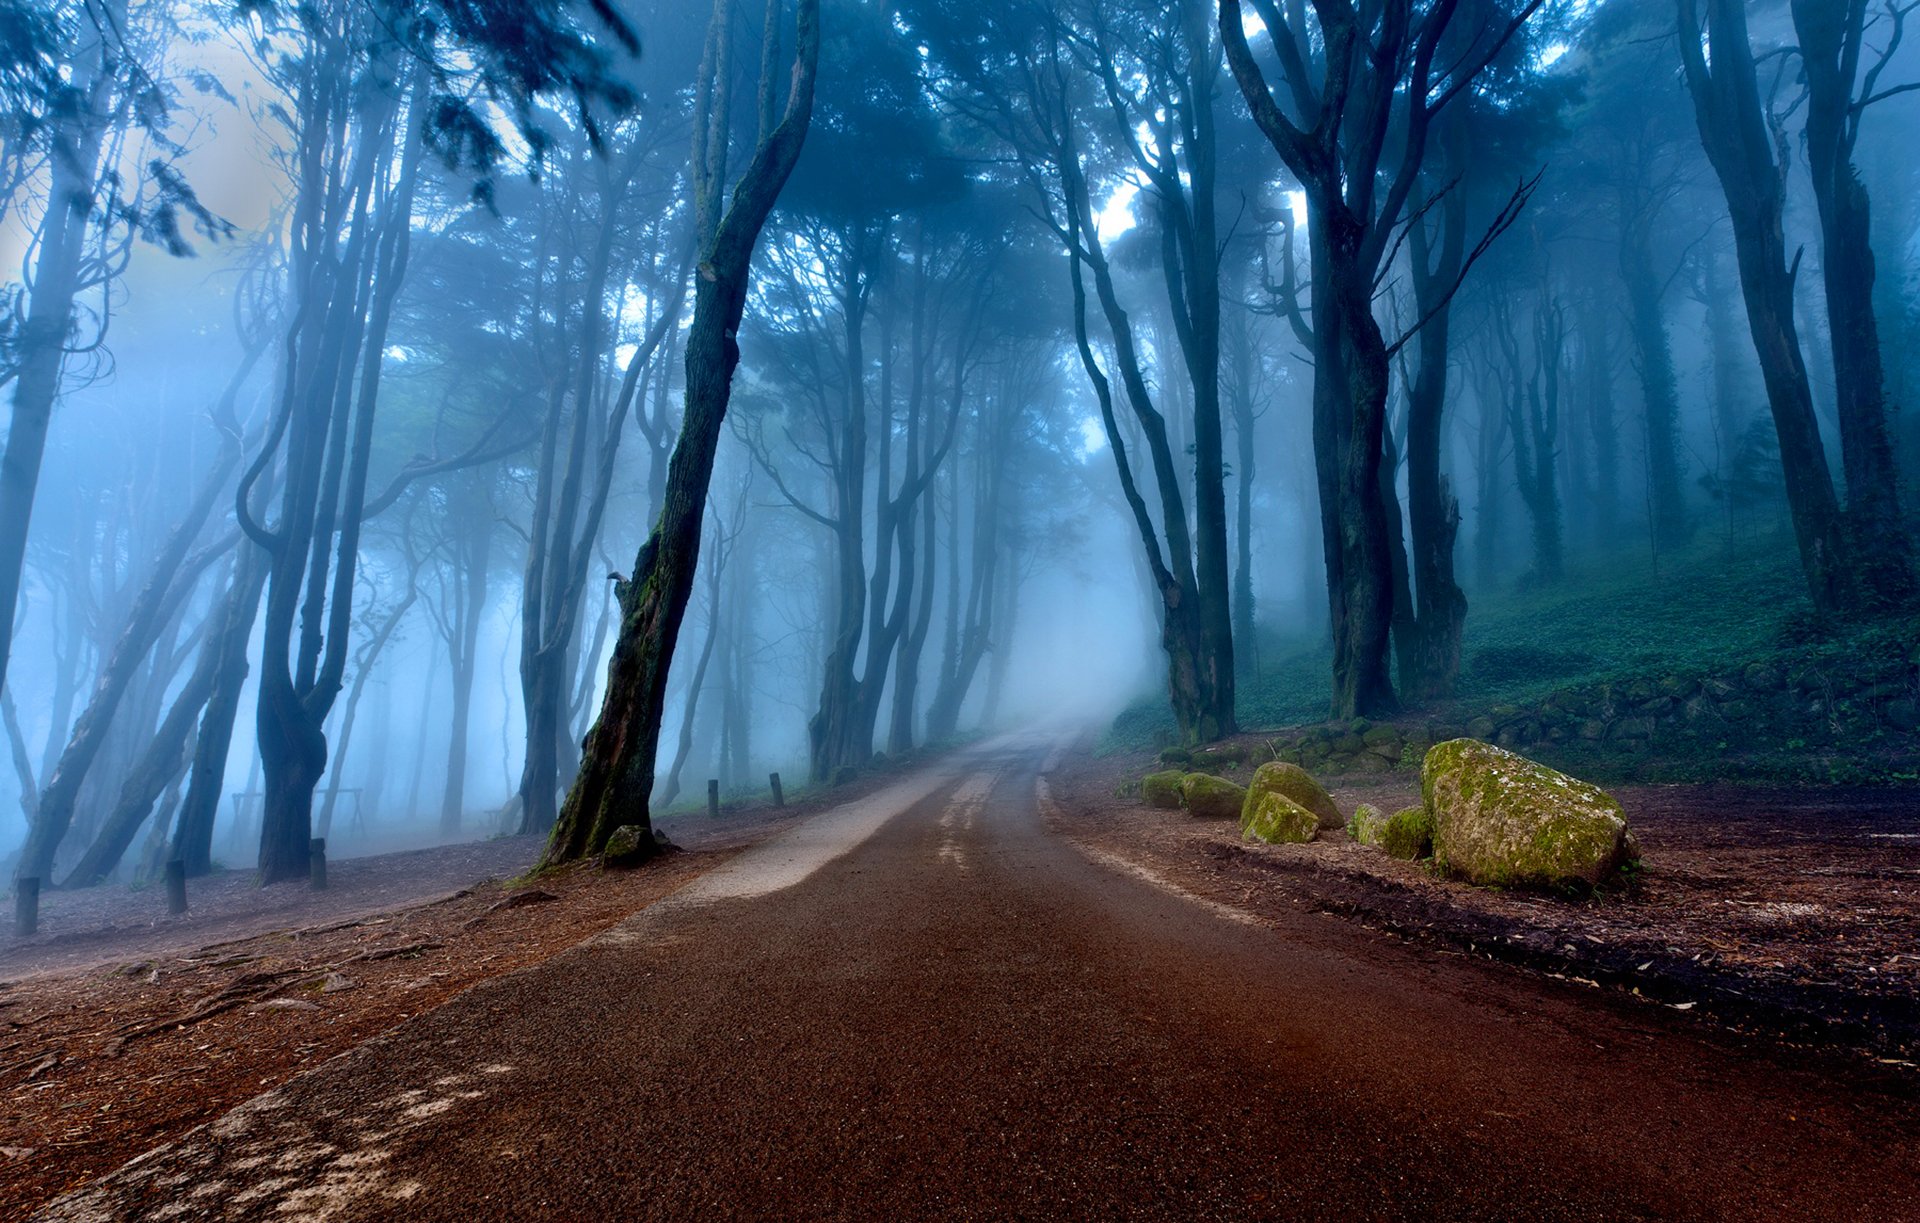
[(779, 799)]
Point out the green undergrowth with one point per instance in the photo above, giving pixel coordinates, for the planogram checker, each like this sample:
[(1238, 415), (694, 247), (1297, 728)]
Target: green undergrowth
[(1709, 610)]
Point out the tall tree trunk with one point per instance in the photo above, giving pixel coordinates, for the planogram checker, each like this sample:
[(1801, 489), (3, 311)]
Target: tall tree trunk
[(474, 549), (1243, 363), (1740, 145), (328, 419), (617, 767), (1659, 386), (1433, 513), (1831, 36), (193, 837), (1350, 375), (42, 342)]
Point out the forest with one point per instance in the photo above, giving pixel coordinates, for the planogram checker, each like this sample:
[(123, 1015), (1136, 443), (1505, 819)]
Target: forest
[(881, 466), (397, 406)]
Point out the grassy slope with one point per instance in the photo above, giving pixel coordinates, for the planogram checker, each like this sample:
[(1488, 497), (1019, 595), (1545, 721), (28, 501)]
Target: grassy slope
[(1706, 610)]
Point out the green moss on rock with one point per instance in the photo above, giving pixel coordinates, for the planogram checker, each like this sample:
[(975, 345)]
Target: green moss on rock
[(1221, 756), (1210, 797), (1501, 819), (1175, 755), (1407, 834), (1162, 789), (1279, 777), (1272, 817), (1366, 823)]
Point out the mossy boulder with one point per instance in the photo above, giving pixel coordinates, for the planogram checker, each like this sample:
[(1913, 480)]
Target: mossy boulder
[(1501, 819), (1366, 823), (632, 844), (1175, 755), (1212, 798), (1279, 777), (1272, 817), (1407, 834), (1220, 756), (1162, 789)]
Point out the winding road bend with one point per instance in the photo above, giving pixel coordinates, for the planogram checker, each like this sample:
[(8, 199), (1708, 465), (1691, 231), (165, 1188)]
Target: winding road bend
[(926, 1006)]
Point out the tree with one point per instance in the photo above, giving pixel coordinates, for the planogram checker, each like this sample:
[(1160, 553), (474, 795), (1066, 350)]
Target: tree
[(1749, 155), (1363, 96), (1832, 39), (617, 766), (1093, 97), (370, 93), (71, 128)]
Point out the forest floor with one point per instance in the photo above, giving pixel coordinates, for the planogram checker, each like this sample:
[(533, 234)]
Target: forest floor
[(121, 1028), (1789, 911)]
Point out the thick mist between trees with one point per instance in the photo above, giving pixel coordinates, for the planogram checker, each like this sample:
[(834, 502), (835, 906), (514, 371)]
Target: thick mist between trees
[(372, 381)]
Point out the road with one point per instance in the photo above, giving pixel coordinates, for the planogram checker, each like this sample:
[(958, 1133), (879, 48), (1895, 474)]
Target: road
[(926, 1006)]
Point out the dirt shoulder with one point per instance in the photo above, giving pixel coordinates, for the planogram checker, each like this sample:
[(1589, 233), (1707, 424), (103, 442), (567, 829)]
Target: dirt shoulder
[(121, 1028), (1794, 912), (100, 1065)]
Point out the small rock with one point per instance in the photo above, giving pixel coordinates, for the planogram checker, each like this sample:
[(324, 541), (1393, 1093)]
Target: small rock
[(1366, 823), (1272, 817), (526, 896), (1221, 756), (1408, 834), (1209, 797), (630, 845), (289, 1004), (1162, 789), (336, 982)]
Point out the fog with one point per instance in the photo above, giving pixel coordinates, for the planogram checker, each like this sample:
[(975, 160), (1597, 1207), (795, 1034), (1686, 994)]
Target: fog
[(1074, 377)]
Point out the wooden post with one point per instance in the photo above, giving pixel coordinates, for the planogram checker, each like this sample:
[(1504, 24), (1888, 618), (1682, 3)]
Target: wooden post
[(26, 907), (779, 799), (176, 888), (317, 864), (713, 797)]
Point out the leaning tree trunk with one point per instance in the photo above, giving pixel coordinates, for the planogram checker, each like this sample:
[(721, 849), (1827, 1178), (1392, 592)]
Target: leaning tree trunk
[(172, 578), (193, 837), (616, 769), (156, 769)]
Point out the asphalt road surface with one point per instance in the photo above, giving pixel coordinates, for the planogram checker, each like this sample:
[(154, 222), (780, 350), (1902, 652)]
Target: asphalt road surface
[(925, 1006)]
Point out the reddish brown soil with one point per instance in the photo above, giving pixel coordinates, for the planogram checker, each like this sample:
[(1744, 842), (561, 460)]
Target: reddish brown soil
[(1795, 911), (121, 1028), (98, 1066)]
